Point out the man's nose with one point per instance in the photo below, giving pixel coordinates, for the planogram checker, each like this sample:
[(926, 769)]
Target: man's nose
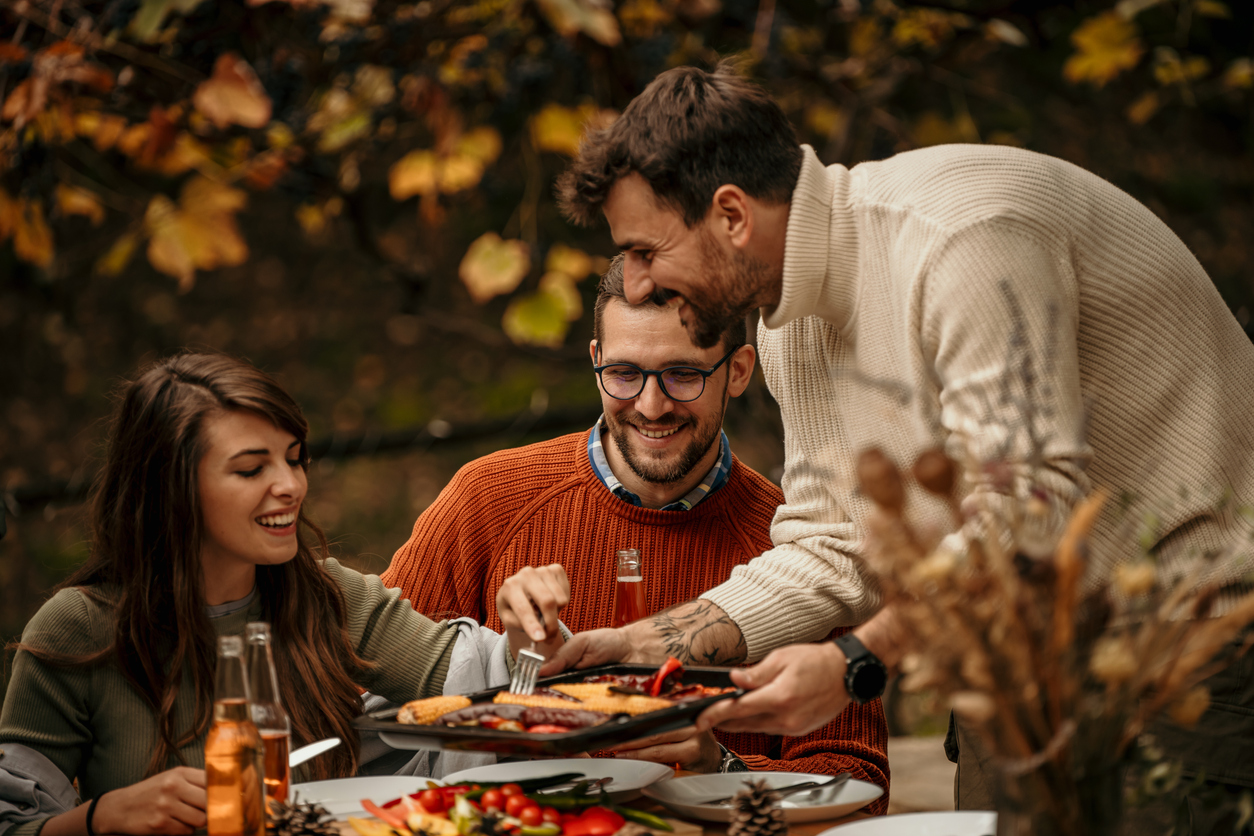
[(637, 285), (652, 402)]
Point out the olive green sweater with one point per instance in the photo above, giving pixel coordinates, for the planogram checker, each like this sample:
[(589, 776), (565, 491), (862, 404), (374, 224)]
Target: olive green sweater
[(96, 728)]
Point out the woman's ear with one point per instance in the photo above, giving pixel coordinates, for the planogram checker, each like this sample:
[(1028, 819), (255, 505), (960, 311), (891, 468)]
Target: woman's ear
[(741, 369)]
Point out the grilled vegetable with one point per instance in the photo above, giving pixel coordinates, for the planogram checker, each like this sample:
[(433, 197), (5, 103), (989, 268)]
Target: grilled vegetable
[(425, 712), (596, 696)]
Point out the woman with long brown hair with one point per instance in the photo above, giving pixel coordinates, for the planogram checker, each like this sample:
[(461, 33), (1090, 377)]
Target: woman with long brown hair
[(195, 520)]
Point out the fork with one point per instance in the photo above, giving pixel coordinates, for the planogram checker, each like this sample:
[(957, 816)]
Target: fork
[(783, 792), (526, 671)]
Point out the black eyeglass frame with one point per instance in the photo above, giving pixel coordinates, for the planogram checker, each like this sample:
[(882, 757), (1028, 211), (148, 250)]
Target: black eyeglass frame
[(645, 373)]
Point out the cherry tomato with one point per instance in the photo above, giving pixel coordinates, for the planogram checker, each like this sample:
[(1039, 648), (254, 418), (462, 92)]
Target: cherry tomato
[(515, 803), (551, 815), (511, 789), (432, 801), (530, 815), (492, 799)]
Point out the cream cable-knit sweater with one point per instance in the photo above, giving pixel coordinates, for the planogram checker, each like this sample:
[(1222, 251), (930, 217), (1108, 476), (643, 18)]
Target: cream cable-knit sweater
[(937, 297)]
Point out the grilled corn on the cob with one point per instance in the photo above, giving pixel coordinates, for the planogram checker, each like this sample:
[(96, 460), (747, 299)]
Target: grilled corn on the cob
[(425, 712), (538, 700)]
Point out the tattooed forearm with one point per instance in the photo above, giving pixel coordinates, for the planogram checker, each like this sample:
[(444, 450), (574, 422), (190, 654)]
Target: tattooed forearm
[(697, 632)]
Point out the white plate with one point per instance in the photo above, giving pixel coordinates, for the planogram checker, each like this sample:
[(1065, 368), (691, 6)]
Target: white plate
[(342, 796), (683, 795), (630, 777), (949, 823)]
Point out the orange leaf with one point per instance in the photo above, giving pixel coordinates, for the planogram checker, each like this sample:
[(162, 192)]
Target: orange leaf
[(233, 95), (32, 240), (8, 215), (23, 103), (12, 53), (414, 173), (493, 266), (563, 259), (72, 200)]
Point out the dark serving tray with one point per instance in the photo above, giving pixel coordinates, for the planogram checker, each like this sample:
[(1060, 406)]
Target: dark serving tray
[(616, 730)]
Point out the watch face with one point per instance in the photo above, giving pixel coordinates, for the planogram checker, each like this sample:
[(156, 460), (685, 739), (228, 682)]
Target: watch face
[(869, 681)]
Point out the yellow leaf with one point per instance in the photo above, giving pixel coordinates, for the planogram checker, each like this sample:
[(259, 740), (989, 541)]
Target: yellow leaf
[(345, 131), (233, 95), (864, 36), (536, 319), (560, 129), (493, 266), (1144, 108), (562, 287), (279, 136), (825, 118), (642, 18), (1106, 45), (563, 259), (925, 27), (32, 239), (414, 173), (934, 129), (458, 172), (482, 144), (570, 17), (113, 262), (1239, 75), (72, 200), (199, 234), (1212, 8), (373, 85), (186, 153)]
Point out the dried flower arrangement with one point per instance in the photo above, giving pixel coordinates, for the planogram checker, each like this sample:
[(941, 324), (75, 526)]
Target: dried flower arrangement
[(1060, 679)]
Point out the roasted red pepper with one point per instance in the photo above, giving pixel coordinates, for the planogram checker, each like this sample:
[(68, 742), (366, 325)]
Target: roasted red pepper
[(547, 728), (671, 667), (595, 821)]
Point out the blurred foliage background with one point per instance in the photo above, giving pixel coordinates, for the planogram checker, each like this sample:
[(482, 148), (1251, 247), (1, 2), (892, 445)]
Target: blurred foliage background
[(357, 196)]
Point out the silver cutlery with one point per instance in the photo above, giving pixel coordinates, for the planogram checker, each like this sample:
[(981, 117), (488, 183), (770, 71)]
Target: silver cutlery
[(304, 753), (526, 671), (833, 783)]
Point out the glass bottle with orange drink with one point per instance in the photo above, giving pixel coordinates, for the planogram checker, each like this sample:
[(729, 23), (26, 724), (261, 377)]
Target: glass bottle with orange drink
[(629, 590), (267, 710), (233, 751)]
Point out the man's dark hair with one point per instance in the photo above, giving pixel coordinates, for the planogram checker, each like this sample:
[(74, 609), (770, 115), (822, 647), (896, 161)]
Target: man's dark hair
[(611, 287), (688, 133)]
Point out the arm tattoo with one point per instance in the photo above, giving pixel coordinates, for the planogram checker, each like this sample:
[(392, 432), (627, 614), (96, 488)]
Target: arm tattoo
[(699, 632)]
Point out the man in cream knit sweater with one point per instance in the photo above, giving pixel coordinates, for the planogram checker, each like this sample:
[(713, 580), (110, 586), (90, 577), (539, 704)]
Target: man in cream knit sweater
[(986, 299)]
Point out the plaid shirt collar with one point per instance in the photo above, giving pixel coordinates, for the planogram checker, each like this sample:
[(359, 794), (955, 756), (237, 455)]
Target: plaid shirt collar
[(715, 479)]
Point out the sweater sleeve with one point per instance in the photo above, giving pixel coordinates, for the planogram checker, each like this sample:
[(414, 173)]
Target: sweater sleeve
[(48, 707), (814, 563), (999, 315), (441, 568), (410, 652)]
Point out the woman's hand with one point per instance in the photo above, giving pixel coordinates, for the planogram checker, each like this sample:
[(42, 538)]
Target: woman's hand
[(169, 802), (528, 604), (692, 750)]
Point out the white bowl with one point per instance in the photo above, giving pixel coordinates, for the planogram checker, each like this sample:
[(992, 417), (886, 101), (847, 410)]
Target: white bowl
[(343, 796), (630, 776), (944, 823)]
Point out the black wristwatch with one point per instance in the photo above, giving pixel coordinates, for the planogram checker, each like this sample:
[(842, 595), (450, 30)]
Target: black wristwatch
[(865, 675)]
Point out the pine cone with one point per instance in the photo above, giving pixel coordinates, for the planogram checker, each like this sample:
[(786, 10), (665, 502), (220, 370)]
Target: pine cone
[(299, 819), (756, 812)]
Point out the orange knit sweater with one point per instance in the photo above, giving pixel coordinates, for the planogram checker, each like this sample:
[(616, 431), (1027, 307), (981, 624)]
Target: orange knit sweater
[(543, 504)]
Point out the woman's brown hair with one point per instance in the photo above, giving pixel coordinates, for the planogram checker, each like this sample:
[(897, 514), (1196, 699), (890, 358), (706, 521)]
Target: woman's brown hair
[(145, 563)]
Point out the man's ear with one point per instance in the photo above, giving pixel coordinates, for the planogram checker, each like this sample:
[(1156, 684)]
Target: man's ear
[(733, 215), (740, 367), (592, 351)]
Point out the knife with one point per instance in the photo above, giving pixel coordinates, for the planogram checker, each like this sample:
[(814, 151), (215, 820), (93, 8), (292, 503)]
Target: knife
[(304, 753)]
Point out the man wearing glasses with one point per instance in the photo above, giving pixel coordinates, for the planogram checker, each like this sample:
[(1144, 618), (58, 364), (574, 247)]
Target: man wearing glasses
[(655, 474)]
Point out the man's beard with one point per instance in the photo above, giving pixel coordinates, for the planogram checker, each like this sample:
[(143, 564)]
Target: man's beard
[(658, 471), (729, 289)]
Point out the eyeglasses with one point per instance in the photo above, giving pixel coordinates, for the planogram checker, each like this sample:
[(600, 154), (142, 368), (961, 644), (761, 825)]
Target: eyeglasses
[(624, 381)]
